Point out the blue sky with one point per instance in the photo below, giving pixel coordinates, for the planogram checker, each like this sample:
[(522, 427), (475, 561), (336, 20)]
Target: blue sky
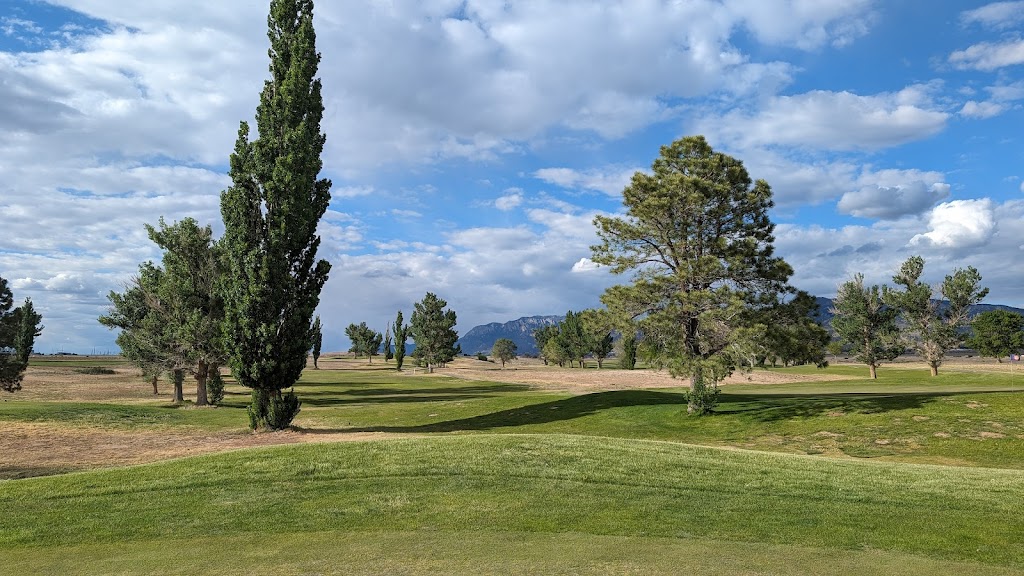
[(471, 143)]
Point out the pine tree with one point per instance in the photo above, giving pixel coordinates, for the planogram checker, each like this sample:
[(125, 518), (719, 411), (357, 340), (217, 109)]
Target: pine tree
[(318, 342), (861, 319), (401, 335), (18, 330), (433, 330), (698, 236), (388, 352), (270, 216)]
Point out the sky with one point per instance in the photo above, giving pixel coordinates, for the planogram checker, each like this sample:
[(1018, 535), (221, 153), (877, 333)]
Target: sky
[(471, 143)]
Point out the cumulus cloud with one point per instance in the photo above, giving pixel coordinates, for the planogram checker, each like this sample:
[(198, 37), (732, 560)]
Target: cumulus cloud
[(892, 202), (509, 201), (989, 56), (831, 121), (972, 109), (585, 265), (806, 25), (610, 179), (823, 257), (997, 15), (959, 224)]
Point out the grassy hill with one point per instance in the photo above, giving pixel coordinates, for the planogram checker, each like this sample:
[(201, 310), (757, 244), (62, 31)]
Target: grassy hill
[(459, 476)]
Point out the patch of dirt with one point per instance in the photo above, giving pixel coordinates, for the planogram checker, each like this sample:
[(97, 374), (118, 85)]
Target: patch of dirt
[(991, 434), (827, 434), (921, 418), (974, 405), (35, 449), (534, 373), (941, 435), (882, 442)]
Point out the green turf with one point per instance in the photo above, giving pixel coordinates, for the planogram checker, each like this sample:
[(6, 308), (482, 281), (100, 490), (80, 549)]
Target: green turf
[(533, 484)]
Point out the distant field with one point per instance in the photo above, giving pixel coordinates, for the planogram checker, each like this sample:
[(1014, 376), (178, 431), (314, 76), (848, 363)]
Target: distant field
[(542, 478)]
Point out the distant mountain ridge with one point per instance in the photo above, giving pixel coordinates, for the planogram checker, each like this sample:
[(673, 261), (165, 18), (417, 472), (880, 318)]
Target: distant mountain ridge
[(481, 338)]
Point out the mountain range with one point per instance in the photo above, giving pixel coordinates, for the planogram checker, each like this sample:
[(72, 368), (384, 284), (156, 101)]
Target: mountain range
[(481, 338)]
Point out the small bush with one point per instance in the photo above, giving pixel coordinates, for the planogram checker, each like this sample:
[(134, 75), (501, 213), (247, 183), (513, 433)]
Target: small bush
[(277, 413), (96, 370), (482, 357), (215, 388)]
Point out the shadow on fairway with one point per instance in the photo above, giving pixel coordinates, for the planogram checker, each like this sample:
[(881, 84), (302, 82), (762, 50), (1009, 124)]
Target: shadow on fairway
[(385, 395), (776, 407), (554, 411)]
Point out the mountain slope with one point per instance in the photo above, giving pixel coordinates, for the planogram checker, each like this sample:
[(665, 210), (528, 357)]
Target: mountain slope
[(481, 338)]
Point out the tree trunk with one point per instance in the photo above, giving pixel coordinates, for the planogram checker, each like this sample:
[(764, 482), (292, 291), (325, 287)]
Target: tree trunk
[(179, 380), (935, 369), (874, 373), (696, 382), (598, 363), (202, 372), (155, 380)]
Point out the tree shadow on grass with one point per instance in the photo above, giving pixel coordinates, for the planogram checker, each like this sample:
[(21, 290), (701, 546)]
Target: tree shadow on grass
[(542, 413), (777, 407), (385, 395)]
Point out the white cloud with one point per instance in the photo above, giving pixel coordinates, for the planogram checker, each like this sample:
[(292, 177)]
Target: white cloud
[(403, 213), (1022, 186), (972, 109), (996, 15), (959, 224), (509, 201), (585, 265), (351, 191), (610, 179), (831, 121), (823, 257), (889, 202), (806, 24), (988, 56)]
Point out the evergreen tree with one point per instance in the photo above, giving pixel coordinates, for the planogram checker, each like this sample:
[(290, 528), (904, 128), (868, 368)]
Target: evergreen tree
[(793, 335), (598, 325), (698, 236), (401, 335), (187, 300), (504, 350), (862, 320), (388, 352), (574, 338), (270, 215), (997, 334), (933, 330), (629, 344), (143, 337), (18, 330), (433, 330), (318, 341), (541, 336), (29, 328)]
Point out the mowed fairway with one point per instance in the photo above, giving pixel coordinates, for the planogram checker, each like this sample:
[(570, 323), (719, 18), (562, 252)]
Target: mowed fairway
[(444, 475)]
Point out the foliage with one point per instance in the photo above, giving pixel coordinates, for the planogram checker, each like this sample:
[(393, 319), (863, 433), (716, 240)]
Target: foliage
[(19, 328), (401, 332), (187, 300), (365, 342), (792, 334), (215, 386), (542, 336), (482, 357), (433, 330), (933, 330), (862, 320), (143, 337), (504, 350), (318, 341), (628, 344), (698, 237), (388, 352), (598, 324), (275, 412), (554, 352), (997, 333), (96, 371), (574, 338), (271, 211)]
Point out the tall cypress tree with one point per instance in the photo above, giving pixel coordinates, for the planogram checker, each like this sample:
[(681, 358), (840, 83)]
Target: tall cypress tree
[(270, 216)]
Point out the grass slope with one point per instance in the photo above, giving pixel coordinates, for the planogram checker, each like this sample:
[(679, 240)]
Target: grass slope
[(653, 495)]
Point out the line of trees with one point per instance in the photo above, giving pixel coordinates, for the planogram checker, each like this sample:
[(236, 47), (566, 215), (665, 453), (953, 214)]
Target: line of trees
[(578, 335), (248, 299), (880, 323), (19, 328)]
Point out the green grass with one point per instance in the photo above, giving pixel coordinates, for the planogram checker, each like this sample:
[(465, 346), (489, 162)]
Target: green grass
[(501, 478), (529, 485)]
